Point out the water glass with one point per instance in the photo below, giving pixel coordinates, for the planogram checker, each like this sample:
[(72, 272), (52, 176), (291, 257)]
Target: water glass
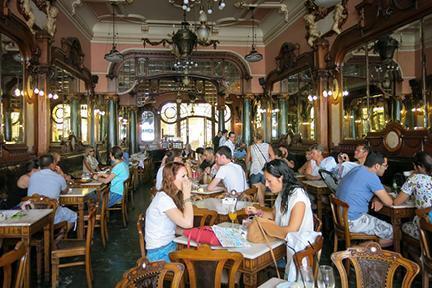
[(326, 278), (306, 277)]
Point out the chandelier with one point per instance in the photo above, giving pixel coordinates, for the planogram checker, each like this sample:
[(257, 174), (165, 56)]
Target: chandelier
[(204, 5), (114, 55), (254, 55)]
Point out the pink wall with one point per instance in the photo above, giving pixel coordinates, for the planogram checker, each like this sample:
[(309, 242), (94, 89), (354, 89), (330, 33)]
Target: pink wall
[(65, 28)]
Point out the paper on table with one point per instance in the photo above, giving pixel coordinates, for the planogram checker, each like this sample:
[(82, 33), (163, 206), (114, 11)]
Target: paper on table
[(6, 214), (230, 237)]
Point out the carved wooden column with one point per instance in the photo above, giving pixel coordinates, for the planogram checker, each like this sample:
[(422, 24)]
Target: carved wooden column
[(247, 132), (321, 106), (75, 115), (112, 119), (91, 121), (282, 119), (133, 141)]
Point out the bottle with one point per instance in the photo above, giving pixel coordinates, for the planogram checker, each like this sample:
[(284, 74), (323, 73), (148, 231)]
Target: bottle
[(395, 186)]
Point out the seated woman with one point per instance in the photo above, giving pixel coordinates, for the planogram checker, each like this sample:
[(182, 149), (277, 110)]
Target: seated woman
[(119, 174), (188, 152), (90, 163), (418, 185), (23, 182), (171, 207), (308, 165), (292, 211)]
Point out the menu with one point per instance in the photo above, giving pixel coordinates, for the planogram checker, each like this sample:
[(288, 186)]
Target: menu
[(230, 237)]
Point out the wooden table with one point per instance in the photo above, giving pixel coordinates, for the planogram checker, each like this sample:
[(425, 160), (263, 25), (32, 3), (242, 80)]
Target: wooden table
[(24, 227), (256, 258), (209, 194), (319, 189), (77, 197), (396, 214)]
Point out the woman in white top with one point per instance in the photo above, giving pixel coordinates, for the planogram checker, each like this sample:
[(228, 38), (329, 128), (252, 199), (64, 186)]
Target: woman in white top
[(292, 211), (257, 155), (90, 163), (169, 208)]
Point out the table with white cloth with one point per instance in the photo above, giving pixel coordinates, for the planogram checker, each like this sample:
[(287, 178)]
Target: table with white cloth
[(222, 210), (256, 257), (201, 192)]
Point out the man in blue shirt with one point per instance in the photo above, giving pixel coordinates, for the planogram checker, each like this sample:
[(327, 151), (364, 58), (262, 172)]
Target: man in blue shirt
[(357, 189)]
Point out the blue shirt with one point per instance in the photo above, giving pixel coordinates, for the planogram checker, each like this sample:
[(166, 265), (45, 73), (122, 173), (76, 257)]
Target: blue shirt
[(121, 171), (47, 183), (357, 189)]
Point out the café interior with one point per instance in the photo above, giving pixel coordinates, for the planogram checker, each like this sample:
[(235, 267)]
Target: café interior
[(139, 82)]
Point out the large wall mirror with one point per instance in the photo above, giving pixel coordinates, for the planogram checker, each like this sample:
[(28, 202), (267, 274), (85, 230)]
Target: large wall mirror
[(300, 104), (12, 92), (382, 81)]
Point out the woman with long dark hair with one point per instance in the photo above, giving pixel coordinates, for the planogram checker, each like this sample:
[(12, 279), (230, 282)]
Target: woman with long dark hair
[(171, 207), (418, 185), (292, 210)]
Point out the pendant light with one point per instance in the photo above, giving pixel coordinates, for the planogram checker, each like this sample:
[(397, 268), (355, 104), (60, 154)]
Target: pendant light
[(254, 55), (114, 55)]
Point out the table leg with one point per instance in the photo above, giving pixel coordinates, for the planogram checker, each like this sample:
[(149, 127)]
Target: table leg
[(26, 240), (48, 241), (396, 221), (80, 221), (250, 280)]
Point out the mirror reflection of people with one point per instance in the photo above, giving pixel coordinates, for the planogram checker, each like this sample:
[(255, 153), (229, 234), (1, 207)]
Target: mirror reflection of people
[(171, 207), (23, 182), (90, 163)]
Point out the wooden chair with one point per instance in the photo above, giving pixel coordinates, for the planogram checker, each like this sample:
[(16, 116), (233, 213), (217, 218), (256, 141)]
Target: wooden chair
[(60, 230), (141, 233), (75, 248), (312, 253), (132, 184), (425, 231), (250, 194), (373, 266), (151, 274), (204, 217), (101, 216), (317, 223), (341, 227), (6, 262), (123, 205), (204, 266)]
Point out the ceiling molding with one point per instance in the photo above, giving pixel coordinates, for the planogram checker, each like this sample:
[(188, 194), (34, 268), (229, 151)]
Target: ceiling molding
[(76, 20), (278, 26)]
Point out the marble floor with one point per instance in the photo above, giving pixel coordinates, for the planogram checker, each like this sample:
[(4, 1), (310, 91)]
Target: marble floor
[(122, 251)]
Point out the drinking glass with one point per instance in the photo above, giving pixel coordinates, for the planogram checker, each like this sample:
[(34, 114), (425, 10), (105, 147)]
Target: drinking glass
[(305, 277), (232, 214), (326, 277)]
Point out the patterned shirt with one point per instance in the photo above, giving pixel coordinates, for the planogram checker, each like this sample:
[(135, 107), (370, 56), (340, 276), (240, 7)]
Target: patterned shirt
[(419, 185)]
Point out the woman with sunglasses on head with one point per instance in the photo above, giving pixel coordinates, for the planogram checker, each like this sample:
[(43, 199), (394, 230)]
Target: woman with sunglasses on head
[(90, 163), (171, 207), (292, 211)]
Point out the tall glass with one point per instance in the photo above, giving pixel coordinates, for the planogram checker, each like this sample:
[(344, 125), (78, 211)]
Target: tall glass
[(232, 214), (305, 277), (326, 278)]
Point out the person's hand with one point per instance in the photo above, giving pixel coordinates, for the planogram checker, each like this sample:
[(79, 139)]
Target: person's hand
[(207, 170), (377, 205), (186, 188), (250, 210)]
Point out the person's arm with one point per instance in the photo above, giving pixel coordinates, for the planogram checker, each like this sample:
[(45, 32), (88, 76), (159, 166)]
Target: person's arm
[(213, 184), (105, 178), (23, 181), (303, 168), (64, 186), (183, 219), (271, 153), (384, 197), (401, 198)]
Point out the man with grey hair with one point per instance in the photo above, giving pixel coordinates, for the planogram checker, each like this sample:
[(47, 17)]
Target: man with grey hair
[(327, 163)]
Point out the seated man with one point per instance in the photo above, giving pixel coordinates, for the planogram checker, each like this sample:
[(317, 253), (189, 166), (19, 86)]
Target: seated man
[(357, 189), (49, 183), (119, 174), (327, 163), (208, 160), (231, 174), (360, 154)]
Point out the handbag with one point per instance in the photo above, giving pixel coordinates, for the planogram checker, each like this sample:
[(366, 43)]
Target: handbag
[(263, 231), (202, 235)]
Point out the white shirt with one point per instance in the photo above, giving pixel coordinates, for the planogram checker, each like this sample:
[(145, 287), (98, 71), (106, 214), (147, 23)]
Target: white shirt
[(328, 164), (260, 156), (230, 145), (159, 229), (159, 178), (345, 167), (233, 177), (222, 141), (298, 195)]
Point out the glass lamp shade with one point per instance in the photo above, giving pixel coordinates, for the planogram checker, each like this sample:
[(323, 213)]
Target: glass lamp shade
[(184, 40), (114, 56), (203, 33), (253, 56)]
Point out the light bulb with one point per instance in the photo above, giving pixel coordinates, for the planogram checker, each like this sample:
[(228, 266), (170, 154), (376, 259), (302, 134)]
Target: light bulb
[(17, 92), (330, 93), (50, 95), (188, 9), (209, 11), (345, 93), (22, 92), (221, 5), (314, 97), (36, 90), (55, 96), (184, 7), (310, 98), (325, 94), (186, 2), (41, 93)]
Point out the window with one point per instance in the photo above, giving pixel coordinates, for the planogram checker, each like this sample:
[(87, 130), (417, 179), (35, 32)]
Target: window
[(60, 122), (84, 124), (147, 126)]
